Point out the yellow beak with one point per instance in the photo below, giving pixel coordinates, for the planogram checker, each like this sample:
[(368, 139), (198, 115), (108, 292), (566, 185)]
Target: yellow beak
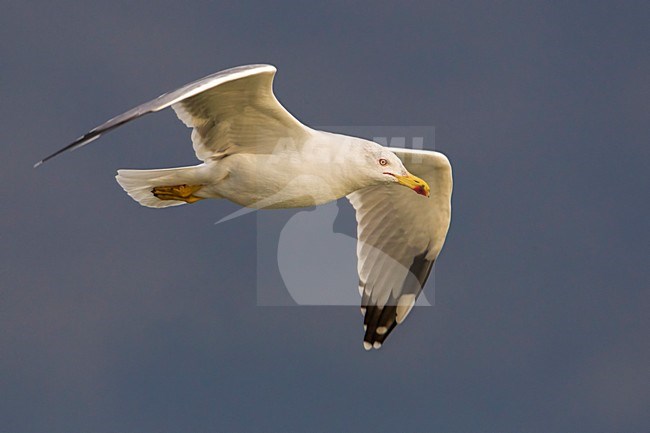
[(415, 183)]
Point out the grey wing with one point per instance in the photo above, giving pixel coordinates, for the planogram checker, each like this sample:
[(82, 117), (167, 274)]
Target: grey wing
[(400, 234), (211, 103)]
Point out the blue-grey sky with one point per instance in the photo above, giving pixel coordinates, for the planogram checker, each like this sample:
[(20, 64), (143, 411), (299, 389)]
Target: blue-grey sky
[(117, 318)]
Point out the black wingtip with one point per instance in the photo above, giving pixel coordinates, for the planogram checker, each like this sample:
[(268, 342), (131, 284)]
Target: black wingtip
[(47, 158), (79, 142)]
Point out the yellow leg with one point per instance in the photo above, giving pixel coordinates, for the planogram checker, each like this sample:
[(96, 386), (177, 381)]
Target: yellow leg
[(177, 192)]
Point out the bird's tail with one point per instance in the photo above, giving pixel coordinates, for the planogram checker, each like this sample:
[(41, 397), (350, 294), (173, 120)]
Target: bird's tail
[(142, 184)]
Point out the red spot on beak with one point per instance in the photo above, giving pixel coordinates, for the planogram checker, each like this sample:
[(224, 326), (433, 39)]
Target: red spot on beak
[(420, 190)]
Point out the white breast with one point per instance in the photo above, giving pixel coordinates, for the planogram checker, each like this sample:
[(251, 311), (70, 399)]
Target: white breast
[(285, 179)]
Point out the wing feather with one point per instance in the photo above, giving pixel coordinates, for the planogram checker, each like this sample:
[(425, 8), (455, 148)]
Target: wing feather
[(221, 108), (400, 235), (240, 115)]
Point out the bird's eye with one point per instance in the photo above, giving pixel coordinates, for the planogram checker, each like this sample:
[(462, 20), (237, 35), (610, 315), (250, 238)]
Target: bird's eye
[(383, 161)]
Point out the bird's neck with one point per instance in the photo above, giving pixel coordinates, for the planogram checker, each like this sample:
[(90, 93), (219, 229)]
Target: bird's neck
[(344, 164)]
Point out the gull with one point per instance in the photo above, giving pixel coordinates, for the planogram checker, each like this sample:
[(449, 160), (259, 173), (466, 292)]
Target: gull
[(256, 154)]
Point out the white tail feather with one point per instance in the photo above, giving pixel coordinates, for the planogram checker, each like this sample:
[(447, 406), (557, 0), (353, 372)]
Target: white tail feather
[(139, 183)]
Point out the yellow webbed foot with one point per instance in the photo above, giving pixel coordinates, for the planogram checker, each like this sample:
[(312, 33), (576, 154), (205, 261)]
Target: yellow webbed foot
[(177, 192)]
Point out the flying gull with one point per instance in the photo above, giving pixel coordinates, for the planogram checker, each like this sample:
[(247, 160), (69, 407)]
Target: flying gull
[(256, 154)]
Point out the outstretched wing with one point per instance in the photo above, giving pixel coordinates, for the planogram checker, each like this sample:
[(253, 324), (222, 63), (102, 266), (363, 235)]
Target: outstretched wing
[(231, 107), (400, 234)]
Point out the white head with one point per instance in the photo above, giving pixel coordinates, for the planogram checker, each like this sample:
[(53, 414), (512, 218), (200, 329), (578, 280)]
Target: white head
[(383, 166)]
